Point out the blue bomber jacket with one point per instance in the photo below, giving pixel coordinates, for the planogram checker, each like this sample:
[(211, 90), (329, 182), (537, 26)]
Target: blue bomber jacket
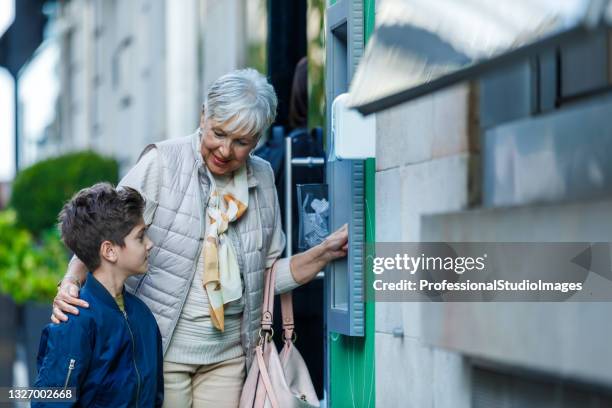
[(112, 358)]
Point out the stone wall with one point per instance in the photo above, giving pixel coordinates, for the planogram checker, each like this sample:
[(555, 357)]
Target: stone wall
[(426, 156)]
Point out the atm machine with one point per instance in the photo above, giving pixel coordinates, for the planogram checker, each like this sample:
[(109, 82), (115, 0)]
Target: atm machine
[(351, 139), (345, 179)]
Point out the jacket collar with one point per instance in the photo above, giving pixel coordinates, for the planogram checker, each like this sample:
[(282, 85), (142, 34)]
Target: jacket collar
[(98, 291), (195, 145)]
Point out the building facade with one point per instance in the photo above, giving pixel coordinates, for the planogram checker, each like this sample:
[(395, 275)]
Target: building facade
[(131, 73)]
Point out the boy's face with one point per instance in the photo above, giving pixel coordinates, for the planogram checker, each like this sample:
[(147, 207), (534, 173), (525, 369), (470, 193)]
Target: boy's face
[(133, 257)]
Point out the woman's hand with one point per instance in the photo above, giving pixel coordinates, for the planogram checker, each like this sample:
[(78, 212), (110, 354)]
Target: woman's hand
[(65, 301), (335, 245), (68, 293), (306, 265)]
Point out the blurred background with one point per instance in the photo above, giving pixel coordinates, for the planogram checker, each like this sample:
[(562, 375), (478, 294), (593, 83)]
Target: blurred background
[(489, 122)]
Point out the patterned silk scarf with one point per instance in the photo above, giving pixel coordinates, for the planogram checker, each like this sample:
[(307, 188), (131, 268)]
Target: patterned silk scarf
[(221, 276)]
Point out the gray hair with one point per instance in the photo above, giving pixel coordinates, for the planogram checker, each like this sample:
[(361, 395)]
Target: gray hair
[(244, 100)]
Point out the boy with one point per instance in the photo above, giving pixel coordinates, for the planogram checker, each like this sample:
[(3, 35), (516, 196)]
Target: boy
[(110, 352)]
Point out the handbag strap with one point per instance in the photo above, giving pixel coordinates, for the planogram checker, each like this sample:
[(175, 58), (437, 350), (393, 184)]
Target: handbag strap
[(267, 312), (287, 314), (265, 377), (267, 315)]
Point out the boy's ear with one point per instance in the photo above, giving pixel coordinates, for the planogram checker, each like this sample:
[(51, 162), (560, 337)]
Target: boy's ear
[(108, 251)]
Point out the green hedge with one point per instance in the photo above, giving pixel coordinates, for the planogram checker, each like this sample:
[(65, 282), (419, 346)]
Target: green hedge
[(29, 271), (40, 191)]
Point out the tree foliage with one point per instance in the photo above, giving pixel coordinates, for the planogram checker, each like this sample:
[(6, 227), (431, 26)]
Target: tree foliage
[(40, 191), (29, 271)]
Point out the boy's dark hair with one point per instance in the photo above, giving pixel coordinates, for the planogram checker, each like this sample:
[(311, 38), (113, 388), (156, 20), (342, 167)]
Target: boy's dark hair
[(97, 214)]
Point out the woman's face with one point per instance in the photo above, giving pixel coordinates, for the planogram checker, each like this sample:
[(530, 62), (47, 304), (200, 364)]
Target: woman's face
[(224, 151)]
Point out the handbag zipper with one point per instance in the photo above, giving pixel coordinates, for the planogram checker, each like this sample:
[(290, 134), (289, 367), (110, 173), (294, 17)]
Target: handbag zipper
[(133, 356), (70, 368)]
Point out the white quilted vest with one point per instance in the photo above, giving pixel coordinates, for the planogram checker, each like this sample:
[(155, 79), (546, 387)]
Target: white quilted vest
[(177, 231)]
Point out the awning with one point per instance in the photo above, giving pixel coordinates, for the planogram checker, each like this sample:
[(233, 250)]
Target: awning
[(420, 46)]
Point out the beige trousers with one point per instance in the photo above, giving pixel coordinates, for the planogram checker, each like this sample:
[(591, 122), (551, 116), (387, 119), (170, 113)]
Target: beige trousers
[(213, 385)]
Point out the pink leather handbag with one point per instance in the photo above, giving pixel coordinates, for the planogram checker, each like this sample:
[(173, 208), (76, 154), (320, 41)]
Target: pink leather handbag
[(277, 380)]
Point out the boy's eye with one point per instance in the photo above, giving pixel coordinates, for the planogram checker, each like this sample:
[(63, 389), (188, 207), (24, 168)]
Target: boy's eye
[(243, 143)]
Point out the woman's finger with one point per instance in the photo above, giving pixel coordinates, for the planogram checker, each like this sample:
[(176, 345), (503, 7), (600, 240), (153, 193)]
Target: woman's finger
[(338, 254), (343, 230), (59, 315), (341, 242), (76, 301), (69, 293), (66, 308), (54, 319)]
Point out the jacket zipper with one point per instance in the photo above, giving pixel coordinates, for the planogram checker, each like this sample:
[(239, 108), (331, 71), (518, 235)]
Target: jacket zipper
[(70, 368), (133, 356)]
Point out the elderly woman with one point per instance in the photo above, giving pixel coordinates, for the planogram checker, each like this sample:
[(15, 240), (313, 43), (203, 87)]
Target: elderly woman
[(215, 221)]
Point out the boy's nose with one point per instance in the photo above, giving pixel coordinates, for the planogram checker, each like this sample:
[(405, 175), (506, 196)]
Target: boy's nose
[(149, 244)]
